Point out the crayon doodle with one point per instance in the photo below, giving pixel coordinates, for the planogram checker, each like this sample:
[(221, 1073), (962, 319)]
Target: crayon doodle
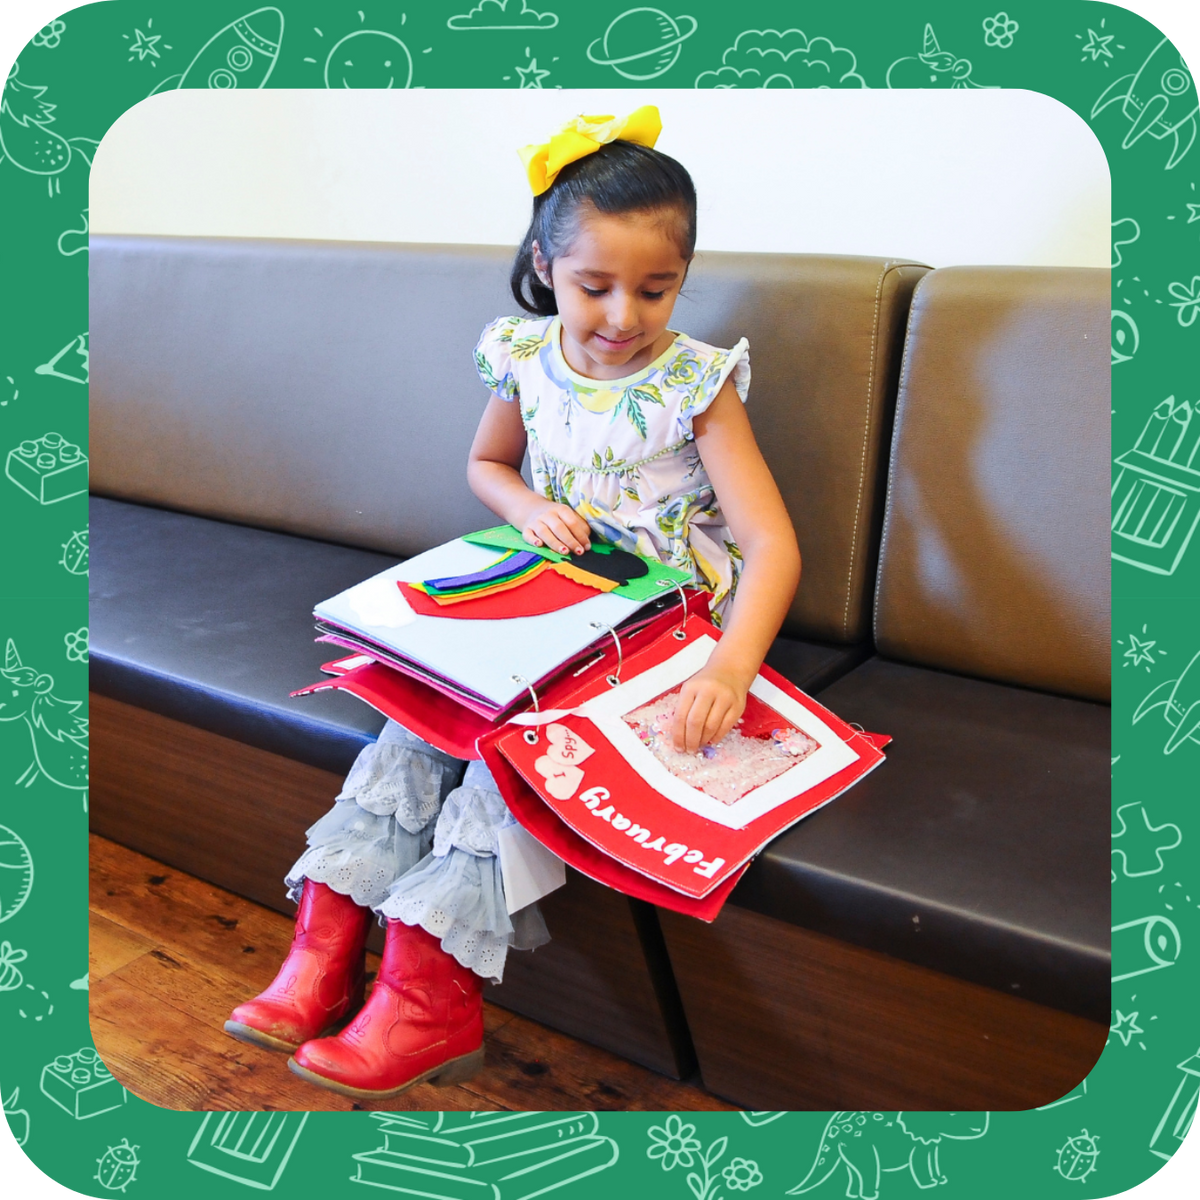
[(1156, 493), (1180, 1113), (770, 58)]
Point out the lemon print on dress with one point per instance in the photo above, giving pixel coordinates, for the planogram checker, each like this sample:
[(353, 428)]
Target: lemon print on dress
[(599, 400)]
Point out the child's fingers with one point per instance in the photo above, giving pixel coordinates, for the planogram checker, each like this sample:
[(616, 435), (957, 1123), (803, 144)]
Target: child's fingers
[(561, 536)]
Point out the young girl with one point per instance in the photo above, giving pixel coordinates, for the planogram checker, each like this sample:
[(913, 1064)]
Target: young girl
[(633, 431)]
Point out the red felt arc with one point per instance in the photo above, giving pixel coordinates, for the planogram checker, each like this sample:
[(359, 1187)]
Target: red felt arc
[(546, 592)]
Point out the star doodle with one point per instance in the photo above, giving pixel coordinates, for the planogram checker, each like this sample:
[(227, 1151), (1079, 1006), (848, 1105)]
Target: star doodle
[(531, 75), (144, 45), (1125, 1027), (1139, 651), (1097, 45)]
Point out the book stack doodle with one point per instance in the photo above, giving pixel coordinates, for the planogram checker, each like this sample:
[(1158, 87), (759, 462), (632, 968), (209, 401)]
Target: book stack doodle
[(484, 1155)]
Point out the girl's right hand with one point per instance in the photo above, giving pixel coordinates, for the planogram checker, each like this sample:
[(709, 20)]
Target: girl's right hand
[(558, 526)]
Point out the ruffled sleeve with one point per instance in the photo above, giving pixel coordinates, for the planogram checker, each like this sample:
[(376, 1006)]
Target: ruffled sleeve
[(708, 373), (493, 358)]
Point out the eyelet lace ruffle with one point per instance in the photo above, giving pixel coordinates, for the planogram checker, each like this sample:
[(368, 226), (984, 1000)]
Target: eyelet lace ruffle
[(456, 893), (403, 840), (400, 775)]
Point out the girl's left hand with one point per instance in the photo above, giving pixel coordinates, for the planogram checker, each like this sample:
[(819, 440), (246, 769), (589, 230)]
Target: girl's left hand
[(710, 704)]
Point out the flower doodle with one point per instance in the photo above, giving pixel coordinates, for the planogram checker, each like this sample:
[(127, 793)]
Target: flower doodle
[(77, 645), (49, 35), (1187, 300), (999, 30), (674, 1143), (742, 1174)]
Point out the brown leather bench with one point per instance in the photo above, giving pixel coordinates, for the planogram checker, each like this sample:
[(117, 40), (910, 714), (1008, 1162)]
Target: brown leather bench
[(939, 936), (272, 421)]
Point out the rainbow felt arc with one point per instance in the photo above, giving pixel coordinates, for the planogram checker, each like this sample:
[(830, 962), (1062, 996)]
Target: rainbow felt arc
[(510, 570)]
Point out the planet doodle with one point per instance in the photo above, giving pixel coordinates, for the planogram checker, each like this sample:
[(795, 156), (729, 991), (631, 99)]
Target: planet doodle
[(642, 43), (16, 873)]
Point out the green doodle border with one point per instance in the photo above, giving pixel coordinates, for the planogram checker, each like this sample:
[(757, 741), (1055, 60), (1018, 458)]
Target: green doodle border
[(1104, 1137)]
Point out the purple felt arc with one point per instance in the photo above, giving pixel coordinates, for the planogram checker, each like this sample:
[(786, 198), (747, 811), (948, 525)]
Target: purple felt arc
[(519, 562)]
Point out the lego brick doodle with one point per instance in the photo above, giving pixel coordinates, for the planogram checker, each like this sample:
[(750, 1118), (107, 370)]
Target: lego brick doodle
[(49, 468), (81, 1085)]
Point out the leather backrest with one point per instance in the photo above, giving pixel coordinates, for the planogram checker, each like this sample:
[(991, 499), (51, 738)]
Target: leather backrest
[(995, 555), (327, 389)]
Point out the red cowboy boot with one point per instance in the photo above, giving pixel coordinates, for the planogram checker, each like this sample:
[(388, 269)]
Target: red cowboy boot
[(320, 981), (423, 1022)]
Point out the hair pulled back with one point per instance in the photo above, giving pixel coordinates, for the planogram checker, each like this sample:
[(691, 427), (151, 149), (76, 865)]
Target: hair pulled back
[(620, 177)]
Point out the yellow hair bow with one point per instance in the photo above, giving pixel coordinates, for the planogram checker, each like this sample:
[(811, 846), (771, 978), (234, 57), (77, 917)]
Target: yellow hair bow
[(582, 136)]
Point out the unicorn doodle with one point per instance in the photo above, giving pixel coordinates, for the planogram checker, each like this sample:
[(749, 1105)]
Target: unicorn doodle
[(932, 68), (59, 736), (1160, 100)]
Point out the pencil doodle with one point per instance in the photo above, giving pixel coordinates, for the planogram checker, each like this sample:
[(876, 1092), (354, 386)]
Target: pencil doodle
[(770, 58), (1156, 494), (1180, 1113)]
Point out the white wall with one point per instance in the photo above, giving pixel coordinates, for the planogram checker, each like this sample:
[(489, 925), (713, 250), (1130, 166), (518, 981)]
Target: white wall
[(968, 176)]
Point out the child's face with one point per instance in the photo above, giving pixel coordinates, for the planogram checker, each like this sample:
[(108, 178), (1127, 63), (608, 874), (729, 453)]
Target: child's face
[(616, 288)]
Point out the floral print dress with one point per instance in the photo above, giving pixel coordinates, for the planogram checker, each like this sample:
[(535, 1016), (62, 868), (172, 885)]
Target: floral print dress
[(621, 452)]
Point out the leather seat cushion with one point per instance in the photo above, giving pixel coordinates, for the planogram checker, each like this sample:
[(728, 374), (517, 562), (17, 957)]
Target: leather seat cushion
[(979, 848)]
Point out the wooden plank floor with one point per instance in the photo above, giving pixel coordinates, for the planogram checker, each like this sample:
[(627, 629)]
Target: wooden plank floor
[(170, 956)]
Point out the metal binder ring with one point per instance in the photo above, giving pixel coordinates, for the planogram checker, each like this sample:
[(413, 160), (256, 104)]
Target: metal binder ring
[(615, 679), (530, 735), (678, 634)]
